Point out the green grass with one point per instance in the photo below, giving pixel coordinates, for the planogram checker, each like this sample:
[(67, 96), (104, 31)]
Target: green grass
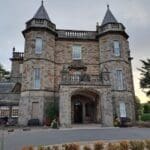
[(145, 117)]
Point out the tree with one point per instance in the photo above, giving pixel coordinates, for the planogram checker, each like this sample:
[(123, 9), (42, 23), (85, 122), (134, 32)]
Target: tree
[(146, 107), (145, 79)]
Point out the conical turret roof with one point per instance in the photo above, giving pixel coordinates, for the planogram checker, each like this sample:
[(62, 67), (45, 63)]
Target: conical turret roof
[(109, 17), (41, 13)]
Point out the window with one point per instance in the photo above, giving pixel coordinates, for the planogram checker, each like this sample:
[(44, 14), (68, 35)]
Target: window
[(38, 45), (116, 48), (122, 109), (76, 52), (4, 111), (37, 78), (15, 110), (119, 80)]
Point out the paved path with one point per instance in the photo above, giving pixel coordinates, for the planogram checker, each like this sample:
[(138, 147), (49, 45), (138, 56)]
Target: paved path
[(18, 138)]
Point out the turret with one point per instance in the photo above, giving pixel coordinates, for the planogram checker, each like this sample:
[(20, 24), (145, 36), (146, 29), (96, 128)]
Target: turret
[(16, 66), (114, 57), (38, 67)]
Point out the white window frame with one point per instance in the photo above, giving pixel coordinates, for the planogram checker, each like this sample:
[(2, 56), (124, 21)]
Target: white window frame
[(117, 49), (76, 50), (119, 79), (4, 108), (122, 108), (15, 108), (38, 45), (37, 78)]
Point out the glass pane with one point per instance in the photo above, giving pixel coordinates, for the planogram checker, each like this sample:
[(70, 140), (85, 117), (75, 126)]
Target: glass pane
[(38, 45), (37, 78), (122, 109), (117, 48), (76, 53)]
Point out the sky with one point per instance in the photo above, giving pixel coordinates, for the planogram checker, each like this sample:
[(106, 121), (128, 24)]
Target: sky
[(82, 15)]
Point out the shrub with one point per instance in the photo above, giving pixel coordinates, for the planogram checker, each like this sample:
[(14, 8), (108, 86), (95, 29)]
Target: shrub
[(48, 148), (55, 148), (99, 146), (137, 145), (113, 146), (24, 148), (87, 147), (123, 145), (71, 147), (31, 148), (145, 117), (147, 143), (40, 148)]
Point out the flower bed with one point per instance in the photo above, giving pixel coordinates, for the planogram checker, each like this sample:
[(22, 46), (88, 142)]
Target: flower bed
[(99, 145)]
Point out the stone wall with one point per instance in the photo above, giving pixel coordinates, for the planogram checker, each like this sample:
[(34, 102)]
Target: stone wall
[(63, 56)]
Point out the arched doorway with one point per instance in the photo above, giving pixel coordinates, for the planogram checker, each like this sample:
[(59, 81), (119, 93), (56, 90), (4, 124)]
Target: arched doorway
[(85, 107)]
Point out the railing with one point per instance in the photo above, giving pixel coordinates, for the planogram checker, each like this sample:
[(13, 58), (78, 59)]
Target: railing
[(18, 55), (76, 34), (85, 79), (41, 23), (111, 26)]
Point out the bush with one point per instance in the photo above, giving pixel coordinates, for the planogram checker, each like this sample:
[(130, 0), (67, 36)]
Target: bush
[(113, 146), (33, 122), (48, 148), (137, 145), (40, 148), (31, 148), (55, 148), (87, 147), (145, 117), (147, 143), (71, 147), (123, 145), (99, 146), (52, 110), (24, 148)]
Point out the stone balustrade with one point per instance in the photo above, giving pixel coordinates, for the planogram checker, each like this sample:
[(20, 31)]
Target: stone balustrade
[(111, 27), (85, 79), (74, 34), (41, 23)]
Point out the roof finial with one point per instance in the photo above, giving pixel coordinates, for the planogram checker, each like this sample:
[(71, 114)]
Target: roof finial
[(107, 6), (42, 2), (14, 49)]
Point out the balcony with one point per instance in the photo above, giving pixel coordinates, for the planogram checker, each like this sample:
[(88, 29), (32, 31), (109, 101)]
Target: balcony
[(85, 79)]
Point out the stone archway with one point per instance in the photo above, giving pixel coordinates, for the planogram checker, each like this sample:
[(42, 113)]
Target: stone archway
[(100, 98), (85, 107)]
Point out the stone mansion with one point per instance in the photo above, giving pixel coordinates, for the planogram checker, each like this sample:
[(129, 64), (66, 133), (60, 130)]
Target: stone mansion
[(87, 73)]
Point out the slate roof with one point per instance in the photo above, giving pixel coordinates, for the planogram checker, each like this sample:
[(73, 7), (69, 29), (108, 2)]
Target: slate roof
[(6, 87), (109, 17), (41, 13)]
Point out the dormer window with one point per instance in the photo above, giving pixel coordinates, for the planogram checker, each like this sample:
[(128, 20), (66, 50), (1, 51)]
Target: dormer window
[(38, 45), (76, 52), (116, 48)]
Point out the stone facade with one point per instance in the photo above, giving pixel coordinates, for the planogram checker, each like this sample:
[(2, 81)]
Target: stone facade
[(86, 88)]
